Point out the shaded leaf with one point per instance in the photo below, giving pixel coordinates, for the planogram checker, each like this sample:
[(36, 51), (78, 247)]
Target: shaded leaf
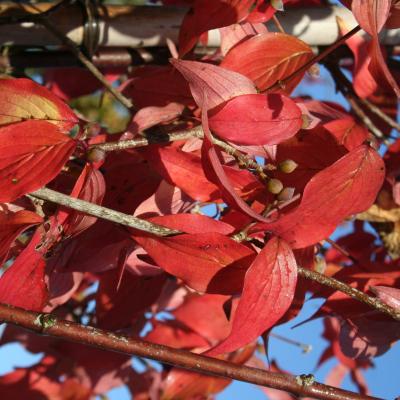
[(207, 262), (23, 284), (11, 225), (210, 14)]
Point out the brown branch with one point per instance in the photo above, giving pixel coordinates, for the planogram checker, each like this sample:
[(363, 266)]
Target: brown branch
[(103, 212), (242, 159), (106, 340), (158, 230), (85, 61), (356, 294), (346, 88), (377, 111), (314, 60)]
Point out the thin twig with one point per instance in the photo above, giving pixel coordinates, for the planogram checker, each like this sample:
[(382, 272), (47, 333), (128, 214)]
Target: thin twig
[(377, 111), (346, 88), (106, 340), (242, 159), (85, 61), (103, 212), (278, 24), (356, 294), (314, 60)]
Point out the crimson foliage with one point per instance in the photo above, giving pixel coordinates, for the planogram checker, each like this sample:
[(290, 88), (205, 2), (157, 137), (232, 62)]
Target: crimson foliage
[(222, 282)]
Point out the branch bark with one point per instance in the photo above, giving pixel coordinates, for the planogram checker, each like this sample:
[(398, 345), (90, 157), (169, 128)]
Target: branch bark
[(158, 230), (50, 325), (103, 212)]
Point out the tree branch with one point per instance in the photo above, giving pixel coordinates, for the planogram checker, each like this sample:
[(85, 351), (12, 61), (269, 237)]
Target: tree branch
[(103, 212), (197, 131), (85, 61), (50, 325), (158, 230), (356, 294)]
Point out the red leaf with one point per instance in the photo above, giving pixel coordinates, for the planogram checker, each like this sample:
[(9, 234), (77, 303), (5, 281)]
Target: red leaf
[(218, 84), (157, 86), (389, 295), (23, 99), (347, 187), (347, 132), (363, 82), (119, 304), (207, 262), (181, 384), (90, 187), (371, 14), (181, 169), (234, 34), (216, 172), (268, 291), (32, 153), (23, 285), (268, 58), (256, 119), (11, 225), (210, 14)]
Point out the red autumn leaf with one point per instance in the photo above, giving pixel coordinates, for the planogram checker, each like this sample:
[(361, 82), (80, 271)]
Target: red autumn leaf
[(23, 284), (11, 225), (121, 300), (218, 84), (23, 99), (371, 14), (34, 139), (157, 86), (347, 187), (215, 171), (233, 34), (347, 132), (150, 116), (32, 154), (181, 169), (207, 262), (182, 384), (269, 58), (256, 119), (90, 187), (210, 14), (268, 291), (71, 82), (363, 82), (389, 295)]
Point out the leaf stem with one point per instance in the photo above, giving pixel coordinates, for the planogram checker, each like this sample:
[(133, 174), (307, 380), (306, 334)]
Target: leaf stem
[(106, 340)]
